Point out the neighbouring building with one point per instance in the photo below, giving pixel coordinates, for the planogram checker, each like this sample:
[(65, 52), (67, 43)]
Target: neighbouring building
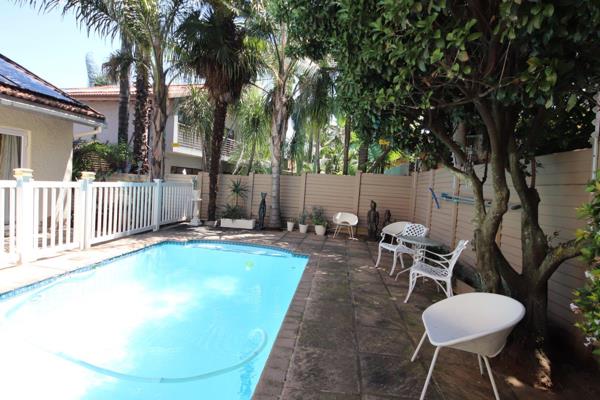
[(183, 149), (36, 124)]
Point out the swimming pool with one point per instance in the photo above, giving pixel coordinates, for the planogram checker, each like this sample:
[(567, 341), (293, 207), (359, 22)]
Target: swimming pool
[(193, 320)]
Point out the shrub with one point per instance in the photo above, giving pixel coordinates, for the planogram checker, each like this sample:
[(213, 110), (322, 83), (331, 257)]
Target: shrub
[(233, 212), (587, 299), (302, 217), (318, 216), (101, 158)]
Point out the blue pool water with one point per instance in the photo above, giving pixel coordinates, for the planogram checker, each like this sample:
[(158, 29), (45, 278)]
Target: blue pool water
[(174, 321)]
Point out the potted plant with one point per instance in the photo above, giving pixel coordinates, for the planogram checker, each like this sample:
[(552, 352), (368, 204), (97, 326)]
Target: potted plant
[(302, 225), (318, 218), (234, 216), (290, 225)]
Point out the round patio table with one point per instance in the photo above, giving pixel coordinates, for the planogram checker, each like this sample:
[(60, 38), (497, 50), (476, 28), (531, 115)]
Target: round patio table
[(420, 241)]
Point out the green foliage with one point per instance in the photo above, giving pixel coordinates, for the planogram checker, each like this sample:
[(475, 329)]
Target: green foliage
[(303, 217), (587, 299), (233, 212), (238, 190), (253, 130), (318, 216), (102, 158), (196, 112), (400, 60)]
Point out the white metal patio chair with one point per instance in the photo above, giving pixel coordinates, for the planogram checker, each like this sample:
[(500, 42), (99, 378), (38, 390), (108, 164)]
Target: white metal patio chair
[(345, 219), (474, 322), (438, 267), (396, 245)]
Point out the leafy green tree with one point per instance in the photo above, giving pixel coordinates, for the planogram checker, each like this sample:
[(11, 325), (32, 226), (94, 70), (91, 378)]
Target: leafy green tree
[(414, 70), (214, 45)]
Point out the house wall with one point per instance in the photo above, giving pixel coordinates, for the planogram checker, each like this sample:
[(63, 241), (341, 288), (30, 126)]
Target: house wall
[(110, 109), (49, 138)]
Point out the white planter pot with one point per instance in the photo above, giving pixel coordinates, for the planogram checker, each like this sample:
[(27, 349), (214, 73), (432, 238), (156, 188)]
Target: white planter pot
[(303, 228), (290, 226), (320, 230), (237, 223)]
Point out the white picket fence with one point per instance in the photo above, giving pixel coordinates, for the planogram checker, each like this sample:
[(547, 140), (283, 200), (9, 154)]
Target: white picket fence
[(42, 218)]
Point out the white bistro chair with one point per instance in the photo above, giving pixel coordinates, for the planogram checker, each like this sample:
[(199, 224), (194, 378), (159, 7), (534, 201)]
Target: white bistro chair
[(478, 323), (396, 245), (345, 219), (438, 267)]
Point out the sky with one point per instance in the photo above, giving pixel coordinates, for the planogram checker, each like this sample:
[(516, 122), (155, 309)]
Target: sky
[(49, 45)]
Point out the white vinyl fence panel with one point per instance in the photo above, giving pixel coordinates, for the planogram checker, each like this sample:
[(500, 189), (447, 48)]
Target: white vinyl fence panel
[(57, 212), (8, 221), (177, 202), (42, 218), (120, 209)]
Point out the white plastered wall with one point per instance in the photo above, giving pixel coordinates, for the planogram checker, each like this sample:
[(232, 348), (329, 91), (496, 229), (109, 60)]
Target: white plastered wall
[(50, 142)]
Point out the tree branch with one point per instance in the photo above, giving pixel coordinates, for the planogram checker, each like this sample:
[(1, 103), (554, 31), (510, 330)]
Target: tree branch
[(555, 257)]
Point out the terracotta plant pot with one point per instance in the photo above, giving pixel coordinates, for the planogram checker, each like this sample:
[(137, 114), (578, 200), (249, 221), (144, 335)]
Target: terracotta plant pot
[(290, 226), (303, 228)]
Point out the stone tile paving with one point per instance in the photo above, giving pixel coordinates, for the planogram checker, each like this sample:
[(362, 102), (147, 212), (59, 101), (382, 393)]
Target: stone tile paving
[(347, 333)]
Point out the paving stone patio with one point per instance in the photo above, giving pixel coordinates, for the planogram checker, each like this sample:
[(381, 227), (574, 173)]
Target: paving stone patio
[(347, 333)]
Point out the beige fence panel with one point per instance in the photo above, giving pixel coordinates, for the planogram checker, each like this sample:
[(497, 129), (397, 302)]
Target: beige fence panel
[(389, 192), (441, 226), (290, 192), (332, 192), (423, 198)]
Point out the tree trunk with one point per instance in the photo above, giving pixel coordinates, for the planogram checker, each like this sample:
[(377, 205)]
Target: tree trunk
[(347, 131), (251, 159), (141, 118), (219, 116), (363, 156), (158, 135), (123, 125), (278, 126), (317, 150)]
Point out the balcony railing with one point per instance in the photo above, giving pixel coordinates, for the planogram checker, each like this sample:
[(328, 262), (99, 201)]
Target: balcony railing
[(186, 137)]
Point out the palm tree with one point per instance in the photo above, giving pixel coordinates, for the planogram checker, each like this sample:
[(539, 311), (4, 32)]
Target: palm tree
[(269, 22), (118, 68), (253, 122), (141, 119), (216, 48), (150, 24), (196, 111), (316, 104)]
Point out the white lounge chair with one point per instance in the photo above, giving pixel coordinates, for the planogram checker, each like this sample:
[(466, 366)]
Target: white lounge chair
[(474, 322), (396, 246), (439, 267), (345, 219)]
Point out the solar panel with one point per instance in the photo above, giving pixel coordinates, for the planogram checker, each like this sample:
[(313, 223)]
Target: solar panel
[(11, 74)]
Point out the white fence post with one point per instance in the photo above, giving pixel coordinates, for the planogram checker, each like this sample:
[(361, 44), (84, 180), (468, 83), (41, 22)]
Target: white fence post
[(157, 204), (25, 230), (86, 222)]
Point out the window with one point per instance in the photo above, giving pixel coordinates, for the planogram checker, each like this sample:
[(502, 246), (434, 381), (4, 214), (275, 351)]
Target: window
[(13, 143), (185, 170)]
